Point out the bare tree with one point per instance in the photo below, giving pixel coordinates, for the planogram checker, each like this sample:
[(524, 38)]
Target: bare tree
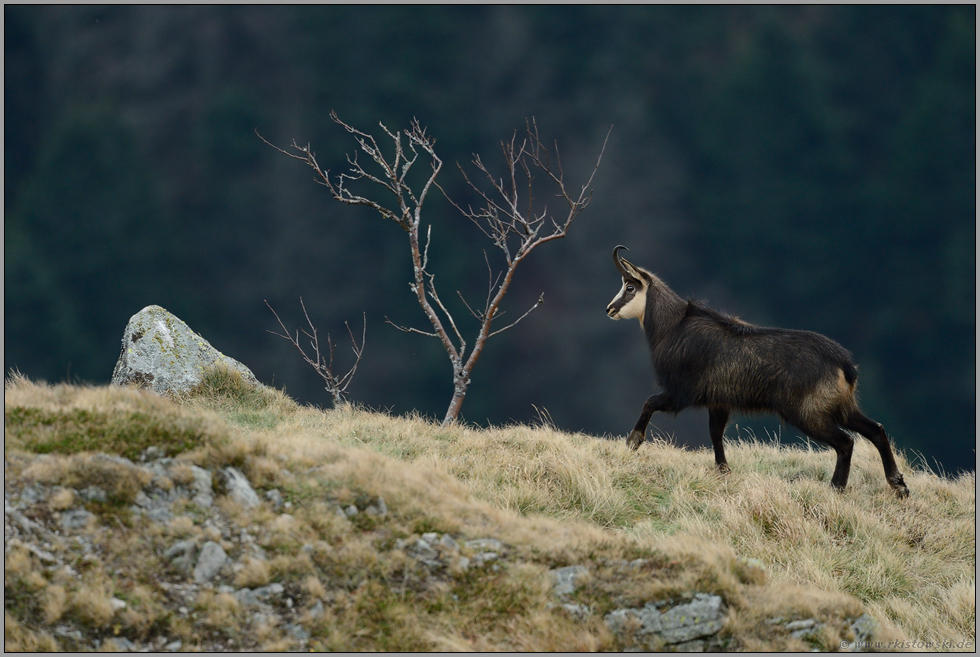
[(508, 219), (323, 363)]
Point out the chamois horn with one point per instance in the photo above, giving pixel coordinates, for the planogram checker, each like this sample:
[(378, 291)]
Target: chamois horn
[(619, 261)]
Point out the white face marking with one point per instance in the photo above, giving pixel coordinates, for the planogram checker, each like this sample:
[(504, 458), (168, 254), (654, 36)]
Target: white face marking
[(632, 309)]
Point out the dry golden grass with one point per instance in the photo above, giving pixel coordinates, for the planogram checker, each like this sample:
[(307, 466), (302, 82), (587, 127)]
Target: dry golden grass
[(554, 498)]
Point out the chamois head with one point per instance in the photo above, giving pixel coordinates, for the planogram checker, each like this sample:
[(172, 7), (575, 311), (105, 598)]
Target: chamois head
[(630, 302)]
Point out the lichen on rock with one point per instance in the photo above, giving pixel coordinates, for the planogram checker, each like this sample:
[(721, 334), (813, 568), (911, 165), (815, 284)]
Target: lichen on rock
[(160, 352)]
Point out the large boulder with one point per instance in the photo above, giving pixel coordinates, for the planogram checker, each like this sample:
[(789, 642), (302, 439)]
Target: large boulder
[(160, 352)]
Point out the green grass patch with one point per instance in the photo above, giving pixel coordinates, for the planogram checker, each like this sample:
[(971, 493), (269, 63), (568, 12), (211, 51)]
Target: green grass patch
[(126, 433)]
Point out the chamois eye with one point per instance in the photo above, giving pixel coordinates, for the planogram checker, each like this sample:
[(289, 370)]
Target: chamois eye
[(630, 288)]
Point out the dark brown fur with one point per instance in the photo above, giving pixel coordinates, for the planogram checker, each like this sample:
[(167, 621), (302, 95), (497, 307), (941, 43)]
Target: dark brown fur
[(706, 359)]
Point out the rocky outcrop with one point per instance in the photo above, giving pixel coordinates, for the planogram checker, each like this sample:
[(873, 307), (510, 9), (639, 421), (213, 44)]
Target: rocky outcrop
[(160, 352), (688, 627)]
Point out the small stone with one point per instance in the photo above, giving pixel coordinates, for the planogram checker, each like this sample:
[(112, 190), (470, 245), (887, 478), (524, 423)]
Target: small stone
[(484, 557), (202, 485), (489, 544), (422, 550), (181, 554), (272, 589), (117, 604), (565, 578), (239, 489), (296, 632), (150, 453), (316, 611), (577, 611), (122, 644), (351, 511), (75, 519), (209, 562), (173, 646), (864, 627), (275, 498), (430, 537), (447, 542), (801, 625), (93, 494)]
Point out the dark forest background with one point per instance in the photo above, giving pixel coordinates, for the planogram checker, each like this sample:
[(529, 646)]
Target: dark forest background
[(805, 167)]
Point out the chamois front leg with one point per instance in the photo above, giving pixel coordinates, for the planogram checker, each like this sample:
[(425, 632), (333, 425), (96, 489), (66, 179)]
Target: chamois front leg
[(717, 421), (651, 406)]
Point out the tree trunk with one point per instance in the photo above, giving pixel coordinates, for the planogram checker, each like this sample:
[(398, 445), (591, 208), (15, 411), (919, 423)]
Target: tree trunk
[(457, 402)]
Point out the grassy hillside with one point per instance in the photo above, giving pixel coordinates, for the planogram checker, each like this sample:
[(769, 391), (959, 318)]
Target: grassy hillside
[(772, 539)]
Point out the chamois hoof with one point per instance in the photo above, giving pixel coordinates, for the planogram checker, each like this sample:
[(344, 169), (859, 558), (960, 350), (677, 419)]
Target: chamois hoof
[(635, 440), (901, 490), (724, 469)]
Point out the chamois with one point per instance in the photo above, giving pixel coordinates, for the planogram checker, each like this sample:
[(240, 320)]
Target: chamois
[(706, 359)]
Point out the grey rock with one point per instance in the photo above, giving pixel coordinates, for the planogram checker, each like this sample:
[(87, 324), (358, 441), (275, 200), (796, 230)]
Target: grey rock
[(202, 486), (32, 494), (160, 352), (564, 578), (484, 557), (488, 544), (155, 507), (239, 489), (211, 559), (93, 494), (272, 589), (701, 618), (122, 644), (448, 542), (864, 627), (75, 519), (577, 611), (317, 611), (257, 597), (377, 508), (424, 552), (275, 498), (801, 624), (151, 452), (430, 537), (67, 632), (182, 554), (351, 511), (296, 632), (247, 598), (173, 646)]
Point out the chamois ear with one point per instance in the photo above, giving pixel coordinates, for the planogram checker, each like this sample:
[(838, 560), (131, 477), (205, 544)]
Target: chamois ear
[(625, 267)]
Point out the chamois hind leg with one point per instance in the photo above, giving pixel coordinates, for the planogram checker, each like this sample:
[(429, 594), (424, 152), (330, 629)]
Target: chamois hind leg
[(651, 406), (842, 443), (717, 421), (859, 422)]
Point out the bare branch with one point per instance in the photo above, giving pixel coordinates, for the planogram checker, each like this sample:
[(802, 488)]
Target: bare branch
[(409, 329), (514, 323), (336, 386)]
